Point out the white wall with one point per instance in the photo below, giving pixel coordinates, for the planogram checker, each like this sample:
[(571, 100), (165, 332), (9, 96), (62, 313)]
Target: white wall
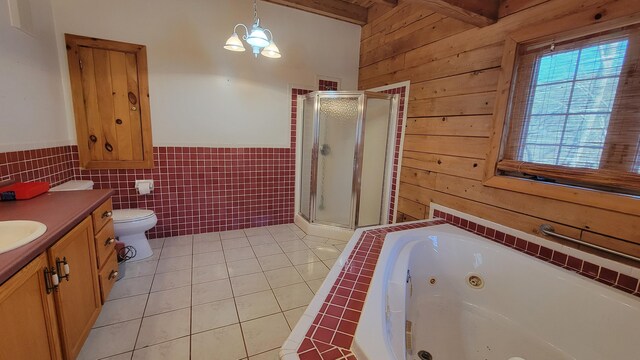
[(200, 93), (32, 111)]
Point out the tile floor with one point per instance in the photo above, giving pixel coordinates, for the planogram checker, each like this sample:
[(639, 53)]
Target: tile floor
[(228, 295)]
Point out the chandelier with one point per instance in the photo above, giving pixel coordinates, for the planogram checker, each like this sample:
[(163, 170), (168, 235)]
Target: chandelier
[(257, 38)]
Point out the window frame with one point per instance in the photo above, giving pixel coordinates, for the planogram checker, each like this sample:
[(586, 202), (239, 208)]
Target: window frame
[(562, 31)]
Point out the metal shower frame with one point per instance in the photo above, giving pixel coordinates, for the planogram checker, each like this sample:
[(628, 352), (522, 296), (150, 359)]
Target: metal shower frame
[(362, 96)]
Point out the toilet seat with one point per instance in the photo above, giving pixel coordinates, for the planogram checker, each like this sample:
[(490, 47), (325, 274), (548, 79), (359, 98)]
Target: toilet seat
[(131, 215)]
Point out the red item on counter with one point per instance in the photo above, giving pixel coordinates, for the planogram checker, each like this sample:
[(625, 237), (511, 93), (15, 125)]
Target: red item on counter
[(23, 191)]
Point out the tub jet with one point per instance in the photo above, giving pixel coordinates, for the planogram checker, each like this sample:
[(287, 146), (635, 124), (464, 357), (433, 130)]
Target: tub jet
[(424, 355)]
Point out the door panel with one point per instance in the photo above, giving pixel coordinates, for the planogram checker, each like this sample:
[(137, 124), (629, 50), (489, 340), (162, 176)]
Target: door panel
[(78, 298), (28, 317)]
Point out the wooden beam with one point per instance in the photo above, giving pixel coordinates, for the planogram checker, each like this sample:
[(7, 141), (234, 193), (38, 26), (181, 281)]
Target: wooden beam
[(475, 12), (336, 9), (392, 3)]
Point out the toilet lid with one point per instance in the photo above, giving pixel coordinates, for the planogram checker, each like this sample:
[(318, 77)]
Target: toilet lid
[(128, 215)]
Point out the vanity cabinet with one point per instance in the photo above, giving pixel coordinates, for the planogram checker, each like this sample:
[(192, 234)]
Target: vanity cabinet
[(48, 308), (28, 315), (78, 301)]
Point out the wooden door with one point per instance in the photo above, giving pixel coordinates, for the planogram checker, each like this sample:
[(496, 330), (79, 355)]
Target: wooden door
[(28, 316), (110, 96), (78, 297)]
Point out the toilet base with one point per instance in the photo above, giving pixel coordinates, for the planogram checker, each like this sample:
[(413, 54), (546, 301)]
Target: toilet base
[(140, 243)]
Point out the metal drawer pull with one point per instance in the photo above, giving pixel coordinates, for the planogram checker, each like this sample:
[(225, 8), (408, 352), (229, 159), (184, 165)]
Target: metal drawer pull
[(64, 271), (107, 214), (109, 241), (113, 274), (50, 280)]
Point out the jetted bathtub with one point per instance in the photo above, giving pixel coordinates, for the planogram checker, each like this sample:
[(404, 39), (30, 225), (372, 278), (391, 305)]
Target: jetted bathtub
[(458, 296)]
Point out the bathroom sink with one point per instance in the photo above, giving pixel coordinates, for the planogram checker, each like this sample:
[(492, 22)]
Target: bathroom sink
[(16, 233)]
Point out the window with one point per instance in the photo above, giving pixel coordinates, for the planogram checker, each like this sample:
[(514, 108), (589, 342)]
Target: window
[(574, 112)]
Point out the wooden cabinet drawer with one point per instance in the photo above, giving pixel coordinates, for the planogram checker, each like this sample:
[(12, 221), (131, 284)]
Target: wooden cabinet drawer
[(108, 276), (105, 243), (102, 215)]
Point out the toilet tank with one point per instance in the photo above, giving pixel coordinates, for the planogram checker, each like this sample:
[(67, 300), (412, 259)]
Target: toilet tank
[(74, 185)]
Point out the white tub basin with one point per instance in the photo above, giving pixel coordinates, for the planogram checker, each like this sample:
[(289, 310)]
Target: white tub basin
[(16, 233)]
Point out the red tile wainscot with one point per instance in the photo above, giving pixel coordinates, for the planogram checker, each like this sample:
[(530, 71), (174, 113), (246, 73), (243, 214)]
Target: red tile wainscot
[(331, 334)]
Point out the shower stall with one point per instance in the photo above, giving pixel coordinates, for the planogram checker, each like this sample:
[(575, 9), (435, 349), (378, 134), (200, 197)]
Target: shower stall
[(346, 142)]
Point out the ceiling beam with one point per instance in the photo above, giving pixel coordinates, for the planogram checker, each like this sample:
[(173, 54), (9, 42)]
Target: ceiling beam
[(475, 12), (392, 3), (336, 9)]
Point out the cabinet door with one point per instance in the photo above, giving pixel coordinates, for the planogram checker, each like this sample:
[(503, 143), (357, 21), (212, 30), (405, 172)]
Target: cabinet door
[(78, 297), (111, 105), (28, 317)]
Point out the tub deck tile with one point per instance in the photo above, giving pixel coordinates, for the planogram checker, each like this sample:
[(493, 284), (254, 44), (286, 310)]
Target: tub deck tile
[(330, 336)]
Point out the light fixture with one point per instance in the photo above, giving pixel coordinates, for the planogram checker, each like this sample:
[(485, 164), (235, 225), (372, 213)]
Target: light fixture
[(257, 38)]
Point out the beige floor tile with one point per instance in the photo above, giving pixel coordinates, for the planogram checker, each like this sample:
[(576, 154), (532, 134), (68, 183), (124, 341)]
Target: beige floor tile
[(294, 315), (286, 236), (178, 240), (235, 243), (213, 315), (269, 355), (256, 305), (174, 264), (267, 249), (209, 273), (140, 268), (119, 310), (278, 229), (283, 277), (315, 238), (210, 291), (291, 246), (206, 247), (110, 340), (171, 280), (226, 343), (239, 254), (340, 247), (243, 267), (164, 327), (336, 242), (326, 252), (329, 263), (178, 250), (273, 262), (261, 240), (313, 271), (177, 349), (315, 285), (247, 284), (210, 258), (293, 296), (302, 257), (168, 300), (155, 256), (206, 237), (130, 287), (256, 231), (231, 234), (265, 333), (156, 243), (125, 356)]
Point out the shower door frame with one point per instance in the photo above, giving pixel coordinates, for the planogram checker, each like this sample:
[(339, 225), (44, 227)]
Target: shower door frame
[(362, 97)]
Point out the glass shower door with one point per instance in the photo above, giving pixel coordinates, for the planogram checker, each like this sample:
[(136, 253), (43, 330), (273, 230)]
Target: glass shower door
[(307, 142), (374, 160), (337, 137)]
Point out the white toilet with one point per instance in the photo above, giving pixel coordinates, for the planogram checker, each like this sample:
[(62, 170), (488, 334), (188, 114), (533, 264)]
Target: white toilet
[(129, 225)]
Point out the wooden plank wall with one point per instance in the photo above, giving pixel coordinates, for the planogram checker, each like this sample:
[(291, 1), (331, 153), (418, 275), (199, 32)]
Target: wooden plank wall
[(453, 68)]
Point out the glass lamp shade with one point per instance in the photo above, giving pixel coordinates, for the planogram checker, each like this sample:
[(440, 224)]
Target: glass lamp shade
[(257, 37), (234, 43), (271, 51)]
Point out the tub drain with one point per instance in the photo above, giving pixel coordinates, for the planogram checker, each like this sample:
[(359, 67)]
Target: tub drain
[(475, 281), (424, 355)]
